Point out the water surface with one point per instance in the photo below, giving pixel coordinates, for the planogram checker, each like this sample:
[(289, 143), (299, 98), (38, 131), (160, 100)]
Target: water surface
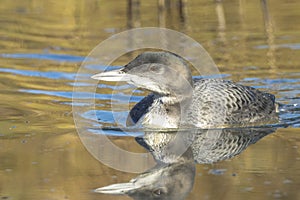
[(42, 44)]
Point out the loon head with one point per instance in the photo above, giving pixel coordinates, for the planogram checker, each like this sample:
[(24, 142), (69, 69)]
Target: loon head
[(172, 181), (163, 73)]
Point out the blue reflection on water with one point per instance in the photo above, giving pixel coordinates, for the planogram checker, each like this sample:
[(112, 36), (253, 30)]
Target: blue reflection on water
[(31, 73), (54, 57)]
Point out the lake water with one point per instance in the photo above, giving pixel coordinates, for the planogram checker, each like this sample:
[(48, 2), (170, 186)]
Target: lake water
[(42, 46)]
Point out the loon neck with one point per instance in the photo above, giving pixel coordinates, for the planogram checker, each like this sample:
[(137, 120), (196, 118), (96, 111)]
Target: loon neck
[(176, 105), (172, 100)]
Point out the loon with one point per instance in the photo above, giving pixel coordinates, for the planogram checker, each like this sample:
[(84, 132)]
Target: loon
[(173, 176), (168, 181), (177, 99)]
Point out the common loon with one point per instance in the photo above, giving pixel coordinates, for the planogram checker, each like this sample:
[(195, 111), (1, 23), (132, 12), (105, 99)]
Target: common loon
[(177, 99), (167, 181), (173, 176)]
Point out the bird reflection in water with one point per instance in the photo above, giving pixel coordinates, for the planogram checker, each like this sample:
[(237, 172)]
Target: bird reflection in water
[(177, 154)]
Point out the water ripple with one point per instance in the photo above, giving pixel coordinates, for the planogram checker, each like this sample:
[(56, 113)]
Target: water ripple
[(31, 73), (40, 56)]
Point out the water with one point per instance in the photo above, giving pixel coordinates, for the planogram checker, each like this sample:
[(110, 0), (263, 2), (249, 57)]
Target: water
[(42, 46)]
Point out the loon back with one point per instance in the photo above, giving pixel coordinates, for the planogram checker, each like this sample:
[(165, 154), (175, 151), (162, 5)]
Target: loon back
[(218, 102), (214, 103)]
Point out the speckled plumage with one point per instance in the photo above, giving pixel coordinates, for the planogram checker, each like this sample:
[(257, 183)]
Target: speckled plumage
[(214, 103), (218, 102), (207, 146)]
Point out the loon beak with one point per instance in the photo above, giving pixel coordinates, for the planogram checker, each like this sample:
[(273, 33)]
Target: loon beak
[(118, 189), (142, 182), (115, 75), (139, 81)]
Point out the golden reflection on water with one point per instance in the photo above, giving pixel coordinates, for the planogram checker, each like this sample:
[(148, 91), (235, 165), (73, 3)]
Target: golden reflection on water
[(41, 156), (56, 166)]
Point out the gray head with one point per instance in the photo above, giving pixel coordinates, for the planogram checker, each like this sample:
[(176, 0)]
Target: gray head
[(163, 73), (173, 181)]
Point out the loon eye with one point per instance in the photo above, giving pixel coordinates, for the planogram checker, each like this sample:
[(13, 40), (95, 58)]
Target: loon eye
[(155, 68), (158, 192)]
